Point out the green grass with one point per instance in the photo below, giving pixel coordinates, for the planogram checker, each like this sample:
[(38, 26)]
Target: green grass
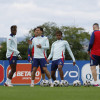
[(49, 93)]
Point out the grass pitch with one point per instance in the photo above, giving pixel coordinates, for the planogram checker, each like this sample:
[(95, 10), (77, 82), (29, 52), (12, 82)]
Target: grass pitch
[(49, 93)]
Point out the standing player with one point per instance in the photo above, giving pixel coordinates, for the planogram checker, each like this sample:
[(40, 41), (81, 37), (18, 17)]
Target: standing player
[(31, 54), (94, 51), (41, 44), (12, 54), (57, 55)]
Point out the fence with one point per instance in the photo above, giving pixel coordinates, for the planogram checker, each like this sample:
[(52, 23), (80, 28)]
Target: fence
[(81, 71)]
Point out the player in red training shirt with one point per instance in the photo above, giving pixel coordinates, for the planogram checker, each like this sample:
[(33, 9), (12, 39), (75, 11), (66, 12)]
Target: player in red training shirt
[(94, 51)]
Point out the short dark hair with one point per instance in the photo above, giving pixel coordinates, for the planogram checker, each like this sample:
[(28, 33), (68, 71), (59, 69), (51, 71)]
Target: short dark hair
[(13, 27), (58, 32), (34, 29), (40, 28), (96, 24)]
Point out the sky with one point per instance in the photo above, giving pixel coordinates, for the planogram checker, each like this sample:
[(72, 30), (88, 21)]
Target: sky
[(28, 14)]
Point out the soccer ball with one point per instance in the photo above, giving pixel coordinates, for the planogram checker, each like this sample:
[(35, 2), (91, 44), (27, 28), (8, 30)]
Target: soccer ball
[(76, 83), (87, 83), (56, 83), (44, 83), (65, 83)]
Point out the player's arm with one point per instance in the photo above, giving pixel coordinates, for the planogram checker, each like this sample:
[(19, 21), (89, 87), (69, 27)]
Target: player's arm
[(91, 42), (31, 44), (9, 41), (70, 52), (29, 52), (51, 53), (46, 46), (29, 49)]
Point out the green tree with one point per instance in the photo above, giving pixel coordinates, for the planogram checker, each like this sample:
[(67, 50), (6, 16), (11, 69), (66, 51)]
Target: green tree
[(49, 30), (76, 36), (23, 48), (3, 51)]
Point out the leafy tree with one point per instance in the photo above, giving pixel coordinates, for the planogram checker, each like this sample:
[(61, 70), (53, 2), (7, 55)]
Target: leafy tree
[(23, 48), (3, 51), (76, 36)]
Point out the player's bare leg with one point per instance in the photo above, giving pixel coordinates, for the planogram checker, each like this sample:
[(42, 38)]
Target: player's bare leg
[(61, 73), (46, 72), (42, 73), (99, 69), (13, 70), (43, 76), (33, 76), (48, 75), (94, 74), (53, 75)]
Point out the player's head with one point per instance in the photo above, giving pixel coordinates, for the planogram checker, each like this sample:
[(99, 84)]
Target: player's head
[(39, 30), (59, 35), (35, 32), (95, 26), (13, 29)]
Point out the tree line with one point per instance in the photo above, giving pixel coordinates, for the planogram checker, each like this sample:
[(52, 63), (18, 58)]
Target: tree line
[(76, 36)]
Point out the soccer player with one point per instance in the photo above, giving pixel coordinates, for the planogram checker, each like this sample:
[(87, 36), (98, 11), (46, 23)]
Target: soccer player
[(31, 53), (41, 44), (57, 55), (12, 54), (94, 52)]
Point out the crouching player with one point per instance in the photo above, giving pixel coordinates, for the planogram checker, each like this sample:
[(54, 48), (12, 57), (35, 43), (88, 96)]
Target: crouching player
[(12, 54), (41, 44), (57, 55), (31, 54)]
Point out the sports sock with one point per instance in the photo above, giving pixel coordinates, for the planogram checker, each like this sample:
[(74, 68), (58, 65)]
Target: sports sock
[(50, 81), (32, 81), (8, 80), (62, 81), (95, 82)]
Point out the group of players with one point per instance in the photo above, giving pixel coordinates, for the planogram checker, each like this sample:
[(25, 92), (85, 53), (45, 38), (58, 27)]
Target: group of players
[(39, 44)]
